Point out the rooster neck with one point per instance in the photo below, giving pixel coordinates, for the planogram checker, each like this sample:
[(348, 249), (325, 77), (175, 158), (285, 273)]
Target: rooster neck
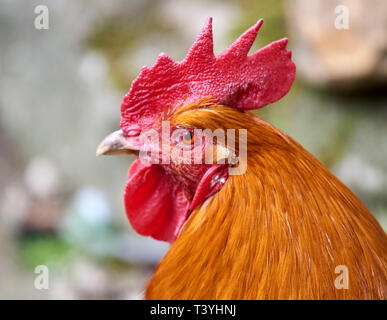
[(277, 232)]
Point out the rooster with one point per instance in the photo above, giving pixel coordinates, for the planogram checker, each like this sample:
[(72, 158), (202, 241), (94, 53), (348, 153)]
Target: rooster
[(284, 227)]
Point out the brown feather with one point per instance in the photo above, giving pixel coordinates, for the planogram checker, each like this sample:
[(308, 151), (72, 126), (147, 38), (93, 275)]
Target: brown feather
[(276, 232)]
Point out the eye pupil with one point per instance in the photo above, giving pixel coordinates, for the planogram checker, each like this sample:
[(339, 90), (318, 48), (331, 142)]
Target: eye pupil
[(188, 137)]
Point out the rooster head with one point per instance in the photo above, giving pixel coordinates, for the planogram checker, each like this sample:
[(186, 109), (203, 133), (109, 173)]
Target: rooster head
[(172, 173)]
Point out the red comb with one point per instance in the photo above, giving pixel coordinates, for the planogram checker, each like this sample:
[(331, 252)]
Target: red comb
[(232, 78)]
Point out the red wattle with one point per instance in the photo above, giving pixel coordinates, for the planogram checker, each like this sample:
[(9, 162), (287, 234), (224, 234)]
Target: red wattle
[(211, 182), (155, 206)]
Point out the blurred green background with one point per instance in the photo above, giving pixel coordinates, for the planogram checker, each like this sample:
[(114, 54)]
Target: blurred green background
[(61, 91)]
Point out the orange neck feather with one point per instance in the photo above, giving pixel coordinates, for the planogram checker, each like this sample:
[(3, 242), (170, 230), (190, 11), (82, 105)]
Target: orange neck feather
[(276, 232)]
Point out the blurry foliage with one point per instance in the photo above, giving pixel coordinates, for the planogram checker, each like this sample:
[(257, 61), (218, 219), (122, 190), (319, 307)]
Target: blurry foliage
[(43, 249), (117, 34), (271, 11)]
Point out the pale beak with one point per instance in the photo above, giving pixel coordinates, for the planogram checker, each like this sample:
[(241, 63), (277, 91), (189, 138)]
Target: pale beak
[(116, 143)]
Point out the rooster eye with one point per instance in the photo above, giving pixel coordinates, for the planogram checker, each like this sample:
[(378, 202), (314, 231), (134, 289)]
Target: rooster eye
[(188, 138)]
